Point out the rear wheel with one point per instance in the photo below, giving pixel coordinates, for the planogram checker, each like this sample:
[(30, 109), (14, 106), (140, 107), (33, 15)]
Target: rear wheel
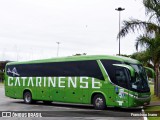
[(99, 102), (27, 97)]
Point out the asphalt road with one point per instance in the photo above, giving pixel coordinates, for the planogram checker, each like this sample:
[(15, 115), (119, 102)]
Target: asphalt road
[(61, 111)]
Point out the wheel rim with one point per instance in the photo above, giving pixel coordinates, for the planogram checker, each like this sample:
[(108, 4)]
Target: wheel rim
[(99, 102), (27, 98)]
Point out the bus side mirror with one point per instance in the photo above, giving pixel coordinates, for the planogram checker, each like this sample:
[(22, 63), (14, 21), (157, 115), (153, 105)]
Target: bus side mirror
[(150, 72), (132, 71)]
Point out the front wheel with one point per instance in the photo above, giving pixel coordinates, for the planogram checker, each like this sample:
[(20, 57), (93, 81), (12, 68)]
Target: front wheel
[(99, 102), (27, 97)]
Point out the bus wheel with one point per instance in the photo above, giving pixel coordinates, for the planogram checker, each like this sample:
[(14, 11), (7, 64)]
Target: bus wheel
[(99, 102), (27, 97)]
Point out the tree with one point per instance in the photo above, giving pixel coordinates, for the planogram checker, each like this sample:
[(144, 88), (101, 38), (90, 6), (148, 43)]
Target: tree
[(124, 55), (143, 57), (152, 54), (150, 38), (2, 68), (78, 54)]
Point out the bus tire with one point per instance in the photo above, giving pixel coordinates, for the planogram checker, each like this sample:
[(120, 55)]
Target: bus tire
[(27, 97), (99, 102)]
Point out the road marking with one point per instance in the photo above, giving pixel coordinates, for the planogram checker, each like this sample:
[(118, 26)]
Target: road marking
[(144, 118)]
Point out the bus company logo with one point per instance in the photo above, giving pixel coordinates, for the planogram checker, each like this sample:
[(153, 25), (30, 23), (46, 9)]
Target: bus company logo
[(121, 93), (13, 71)]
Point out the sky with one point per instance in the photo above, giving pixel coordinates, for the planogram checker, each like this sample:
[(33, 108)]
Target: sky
[(30, 29)]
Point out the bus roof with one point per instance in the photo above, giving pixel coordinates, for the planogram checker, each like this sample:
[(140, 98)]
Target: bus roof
[(79, 58)]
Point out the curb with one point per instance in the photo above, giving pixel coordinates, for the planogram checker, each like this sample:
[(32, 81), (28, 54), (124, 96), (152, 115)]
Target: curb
[(153, 104)]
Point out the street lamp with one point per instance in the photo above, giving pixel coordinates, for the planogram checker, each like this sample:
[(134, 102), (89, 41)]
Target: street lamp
[(119, 9), (58, 48)]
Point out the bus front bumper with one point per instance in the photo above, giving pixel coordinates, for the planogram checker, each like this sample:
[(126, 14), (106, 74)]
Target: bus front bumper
[(140, 101)]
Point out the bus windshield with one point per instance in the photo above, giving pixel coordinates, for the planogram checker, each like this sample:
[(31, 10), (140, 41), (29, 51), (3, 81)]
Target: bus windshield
[(140, 82)]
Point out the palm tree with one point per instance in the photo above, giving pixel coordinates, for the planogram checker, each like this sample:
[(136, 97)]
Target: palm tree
[(150, 26), (150, 37), (152, 53), (143, 57)]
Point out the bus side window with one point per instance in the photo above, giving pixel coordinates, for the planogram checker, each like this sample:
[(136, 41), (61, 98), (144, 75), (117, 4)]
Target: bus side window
[(121, 77)]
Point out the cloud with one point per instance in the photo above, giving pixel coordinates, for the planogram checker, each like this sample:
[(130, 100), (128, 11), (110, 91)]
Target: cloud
[(82, 26)]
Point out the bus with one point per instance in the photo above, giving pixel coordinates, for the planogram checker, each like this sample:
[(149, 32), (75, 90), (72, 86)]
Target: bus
[(99, 80)]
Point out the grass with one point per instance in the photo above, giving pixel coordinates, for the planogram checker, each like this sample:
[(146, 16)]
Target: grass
[(153, 109), (153, 118), (153, 97)]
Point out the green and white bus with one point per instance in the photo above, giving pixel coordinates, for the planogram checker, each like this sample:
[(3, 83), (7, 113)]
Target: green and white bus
[(100, 80)]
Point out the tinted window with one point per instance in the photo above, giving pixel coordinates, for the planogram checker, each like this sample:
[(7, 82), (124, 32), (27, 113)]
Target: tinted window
[(74, 68), (118, 75), (108, 65), (121, 77)]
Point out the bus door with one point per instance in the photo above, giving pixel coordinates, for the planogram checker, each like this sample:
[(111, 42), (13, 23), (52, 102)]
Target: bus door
[(121, 87)]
